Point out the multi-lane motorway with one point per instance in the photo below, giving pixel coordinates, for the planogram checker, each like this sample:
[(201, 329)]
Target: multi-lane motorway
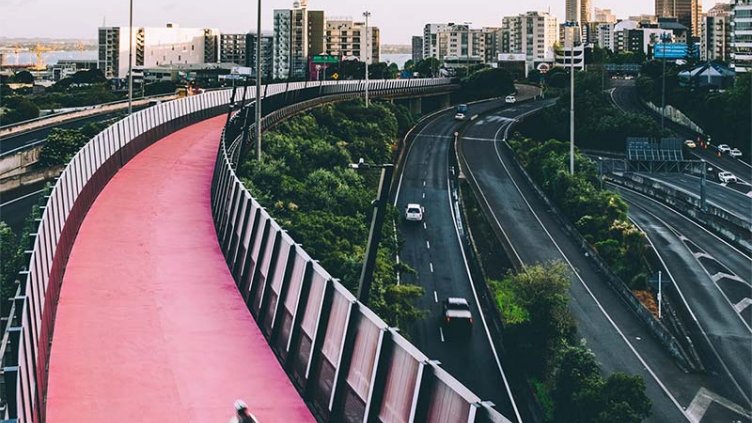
[(433, 249), (619, 341)]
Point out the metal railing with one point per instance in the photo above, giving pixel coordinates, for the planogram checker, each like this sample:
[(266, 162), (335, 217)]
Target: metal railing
[(27, 330), (344, 360)]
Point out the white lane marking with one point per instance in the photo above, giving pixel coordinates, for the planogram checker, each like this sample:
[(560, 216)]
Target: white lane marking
[(435, 297), (704, 399), (741, 305), (686, 304), (477, 301), (431, 266), (21, 197), (424, 183), (582, 282), (720, 275), (424, 225), (478, 139), (424, 195), (428, 245), (441, 332)]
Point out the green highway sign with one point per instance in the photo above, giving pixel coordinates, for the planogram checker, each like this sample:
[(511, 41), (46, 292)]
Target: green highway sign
[(321, 59)]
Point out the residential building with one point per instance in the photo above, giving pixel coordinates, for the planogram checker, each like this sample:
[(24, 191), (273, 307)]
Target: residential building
[(232, 49), (715, 42), (155, 47), (605, 36), (741, 36), (267, 54), (346, 39), (298, 35), (491, 40), (417, 43), (430, 40), (688, 13), (533, 34)]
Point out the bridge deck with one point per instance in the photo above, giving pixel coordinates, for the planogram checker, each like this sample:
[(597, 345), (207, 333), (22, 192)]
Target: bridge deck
[(150, 325)]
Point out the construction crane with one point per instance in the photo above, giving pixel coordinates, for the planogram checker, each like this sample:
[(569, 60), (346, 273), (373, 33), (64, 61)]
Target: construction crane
[(38, 50)]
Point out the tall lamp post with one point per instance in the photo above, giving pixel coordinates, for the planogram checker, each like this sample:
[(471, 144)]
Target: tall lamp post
[(258, 83), (571, 24), (377, 221), (130, 57), (367, 14), (664, 39), (467, 55)]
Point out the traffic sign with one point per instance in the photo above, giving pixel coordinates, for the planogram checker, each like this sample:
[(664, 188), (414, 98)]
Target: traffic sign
[(670, 51), (325, 59)]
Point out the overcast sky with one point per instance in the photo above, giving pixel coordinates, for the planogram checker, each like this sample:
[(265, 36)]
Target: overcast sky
[(397, 19)]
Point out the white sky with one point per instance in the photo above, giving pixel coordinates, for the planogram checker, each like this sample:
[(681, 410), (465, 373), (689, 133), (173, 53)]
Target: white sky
[(397, 19)]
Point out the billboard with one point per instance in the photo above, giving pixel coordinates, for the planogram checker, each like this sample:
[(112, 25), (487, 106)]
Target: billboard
[(670, 51)]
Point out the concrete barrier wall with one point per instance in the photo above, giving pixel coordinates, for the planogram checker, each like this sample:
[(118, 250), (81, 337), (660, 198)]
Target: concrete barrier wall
[(345, 361)]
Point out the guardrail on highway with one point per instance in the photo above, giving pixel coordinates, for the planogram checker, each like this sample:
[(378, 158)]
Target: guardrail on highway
[(345, 361), (27, 331)]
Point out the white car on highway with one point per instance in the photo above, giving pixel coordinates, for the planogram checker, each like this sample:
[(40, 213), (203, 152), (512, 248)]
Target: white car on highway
[(727, 177), (723, 148), (735, 153), (510, 99), (414, 212)]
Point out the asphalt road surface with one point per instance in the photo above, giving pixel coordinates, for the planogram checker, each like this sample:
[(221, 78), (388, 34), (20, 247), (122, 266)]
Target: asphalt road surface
[(713, 280), (16, 205), (433, 249), (731, 200), (610, 329)]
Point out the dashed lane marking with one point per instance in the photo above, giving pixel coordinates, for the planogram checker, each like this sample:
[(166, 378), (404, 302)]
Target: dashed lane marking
[(741, 305)]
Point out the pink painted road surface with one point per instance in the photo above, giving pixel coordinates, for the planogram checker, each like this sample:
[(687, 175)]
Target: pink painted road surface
[(150, 326)]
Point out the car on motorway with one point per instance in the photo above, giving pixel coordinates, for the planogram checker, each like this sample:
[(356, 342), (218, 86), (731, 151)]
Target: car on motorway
[(735, 153), (727, 177), (462, 112), (510, 99), (414, 212), (456, 317), (723, 148), (690, 144)]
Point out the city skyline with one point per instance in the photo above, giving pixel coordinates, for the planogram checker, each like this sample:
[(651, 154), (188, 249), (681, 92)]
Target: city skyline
[(397, 24)]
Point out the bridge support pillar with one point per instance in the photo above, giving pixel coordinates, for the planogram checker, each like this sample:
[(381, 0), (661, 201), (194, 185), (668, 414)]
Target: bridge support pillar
[(416, 105)]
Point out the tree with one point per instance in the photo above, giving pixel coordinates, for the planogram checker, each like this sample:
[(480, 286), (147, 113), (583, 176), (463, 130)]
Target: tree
[(19, 109), (10, 265), (23, 77), (623, 400), (575, 377), (487, 83), (61, 146), (428, 67)]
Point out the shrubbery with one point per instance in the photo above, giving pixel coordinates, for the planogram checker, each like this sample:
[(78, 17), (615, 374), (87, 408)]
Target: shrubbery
[(600, 215), (304, 182)]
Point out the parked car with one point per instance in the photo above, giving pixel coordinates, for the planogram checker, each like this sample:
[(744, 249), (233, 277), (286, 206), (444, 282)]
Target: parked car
[(510, 99), (727, 177), (723, 148), (414, 212), (456, 317), (735, 152), (690, 144)]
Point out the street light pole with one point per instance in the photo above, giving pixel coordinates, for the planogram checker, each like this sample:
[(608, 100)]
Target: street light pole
[(571, 97), (367, 14), (377, 222), (258, 83), (130, 57)]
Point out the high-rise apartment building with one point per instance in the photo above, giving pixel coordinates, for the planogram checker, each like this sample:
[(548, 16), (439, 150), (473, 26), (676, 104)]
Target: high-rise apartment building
[(298, 35), (688, 12), (533, 34), (232, 49), (579, 11), (604, 16), (430, 40), (741, 36), (267, 54), (346, 38), (715, 42), (417, 48), (155, 47)]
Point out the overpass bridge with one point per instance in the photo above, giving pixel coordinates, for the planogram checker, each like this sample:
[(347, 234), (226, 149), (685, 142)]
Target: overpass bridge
[(148, 256)]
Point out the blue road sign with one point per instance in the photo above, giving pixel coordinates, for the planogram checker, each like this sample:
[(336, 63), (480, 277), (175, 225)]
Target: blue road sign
[(670, 51)]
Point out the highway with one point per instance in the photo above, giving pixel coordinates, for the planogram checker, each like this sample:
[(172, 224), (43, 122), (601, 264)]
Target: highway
[(718, 195), (619, 341), (625, 98), (16, 205), (433, 249), (713, 280), (16, 141)]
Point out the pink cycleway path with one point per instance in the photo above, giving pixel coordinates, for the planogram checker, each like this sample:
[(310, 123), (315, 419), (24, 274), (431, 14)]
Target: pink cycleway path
[(150, 326)]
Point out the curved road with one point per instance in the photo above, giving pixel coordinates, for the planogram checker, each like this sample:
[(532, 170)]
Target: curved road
[(150, 325), (433, 249), (619, 340), (713, 280)]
